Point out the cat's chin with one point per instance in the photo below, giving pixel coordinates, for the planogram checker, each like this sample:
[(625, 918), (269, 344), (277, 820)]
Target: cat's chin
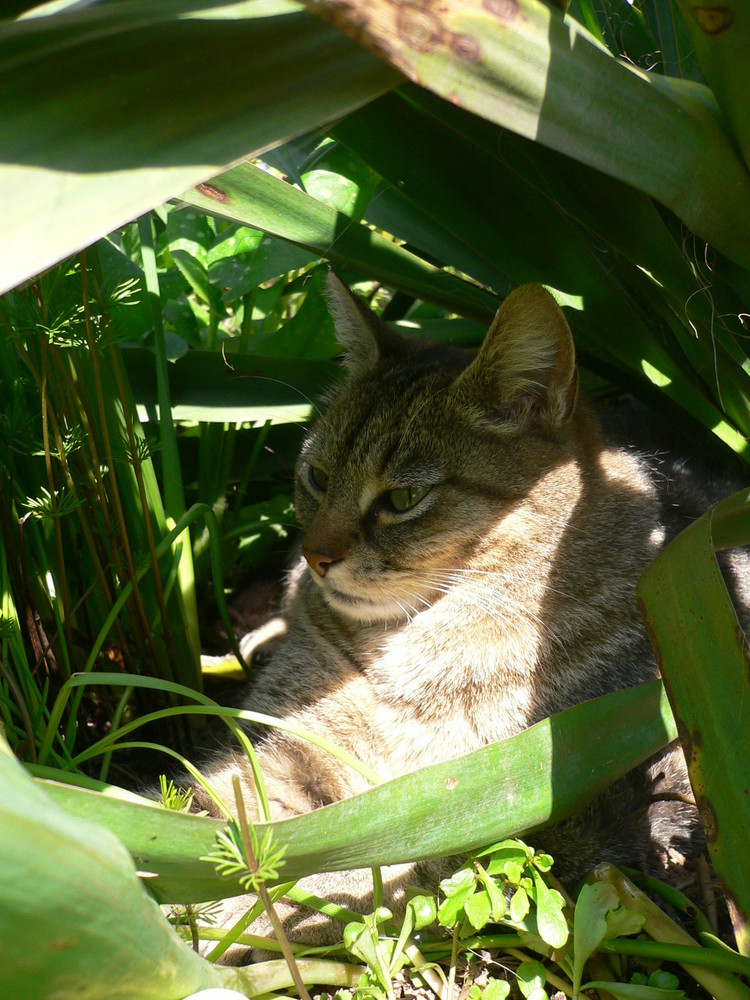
[(364, 609)]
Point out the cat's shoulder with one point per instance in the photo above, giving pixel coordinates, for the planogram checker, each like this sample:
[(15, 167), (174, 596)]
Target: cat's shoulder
[(688, 478)]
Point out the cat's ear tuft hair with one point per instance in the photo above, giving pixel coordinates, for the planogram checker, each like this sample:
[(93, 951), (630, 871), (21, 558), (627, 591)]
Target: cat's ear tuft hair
[(525, 369), (362, 335)]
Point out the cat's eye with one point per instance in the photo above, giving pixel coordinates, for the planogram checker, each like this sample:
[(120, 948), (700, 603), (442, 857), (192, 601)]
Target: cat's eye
[(406, 497), (318, 478)]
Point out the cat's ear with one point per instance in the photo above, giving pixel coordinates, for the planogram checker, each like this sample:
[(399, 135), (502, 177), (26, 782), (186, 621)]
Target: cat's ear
[(525, 369), (362, 335)]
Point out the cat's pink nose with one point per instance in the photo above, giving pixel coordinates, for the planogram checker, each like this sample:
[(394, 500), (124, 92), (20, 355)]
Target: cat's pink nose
[(318, 562)]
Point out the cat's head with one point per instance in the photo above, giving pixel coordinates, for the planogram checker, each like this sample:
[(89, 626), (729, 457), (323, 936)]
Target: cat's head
[(424, 449)]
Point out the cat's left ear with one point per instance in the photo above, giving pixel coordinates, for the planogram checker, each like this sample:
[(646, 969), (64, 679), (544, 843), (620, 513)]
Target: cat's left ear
[(362, 335), (525, 370)]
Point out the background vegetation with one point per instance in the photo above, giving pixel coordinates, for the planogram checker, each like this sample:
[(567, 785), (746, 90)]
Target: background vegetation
[(154, 381)]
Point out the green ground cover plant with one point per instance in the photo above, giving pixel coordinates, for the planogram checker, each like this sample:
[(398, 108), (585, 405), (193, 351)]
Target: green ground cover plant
[(154, 383)]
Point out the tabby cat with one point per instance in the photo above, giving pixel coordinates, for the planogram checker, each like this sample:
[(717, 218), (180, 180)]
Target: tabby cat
[(471, 547)]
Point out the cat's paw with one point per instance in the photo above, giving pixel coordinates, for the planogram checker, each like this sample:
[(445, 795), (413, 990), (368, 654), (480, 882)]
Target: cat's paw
[(257, 646)]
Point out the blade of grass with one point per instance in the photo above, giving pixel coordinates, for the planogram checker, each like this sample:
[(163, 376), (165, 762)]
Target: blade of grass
[(174, 494)]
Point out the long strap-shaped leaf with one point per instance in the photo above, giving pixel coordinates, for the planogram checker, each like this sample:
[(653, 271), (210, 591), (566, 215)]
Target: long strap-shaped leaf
[(543, 774), (109, 110), (76, 920), (721, 35), (704, 661), (252, 196), (522, 65)]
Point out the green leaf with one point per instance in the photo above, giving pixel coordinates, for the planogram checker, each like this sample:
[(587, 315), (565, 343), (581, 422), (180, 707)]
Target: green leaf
[(144, 135), (309, 333), (478, 909), (692, 624), (524, 66), (496, 989), (448, 808), (239, 272), (663, 980), (457, 890), (204, 385), (496, 897), (255, 198), (362, 940), (519, 905), (545, 192), (589, 925), (423, 910), (721, 36), (341, 180), (622, 921), (633, 991), (550, 919), (59, 877), (531, 977)]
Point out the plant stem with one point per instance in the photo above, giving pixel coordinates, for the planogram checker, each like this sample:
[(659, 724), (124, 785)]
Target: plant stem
[(22, 708), (670, 895), (377, 888), (712, 958), (419, 963), (236, 933), (452, 970), (263, 893), (663, 929)]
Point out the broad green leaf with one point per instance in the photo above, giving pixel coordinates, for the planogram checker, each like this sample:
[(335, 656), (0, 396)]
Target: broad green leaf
[(525, 67), (590, 924), (58, 882), (634, 991), (394, 212), (623, 921), (527, 191), (519, 905), (626, 220), (444, 809), (205, 385), (341, 180), (663, 979), (703, 655), (721, 36), (423, 911), (309, 333), (497, 900), (101, 120), (496, 989), (239, 271)]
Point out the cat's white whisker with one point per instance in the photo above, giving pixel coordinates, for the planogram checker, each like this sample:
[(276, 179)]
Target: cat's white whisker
[(505, 576)]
